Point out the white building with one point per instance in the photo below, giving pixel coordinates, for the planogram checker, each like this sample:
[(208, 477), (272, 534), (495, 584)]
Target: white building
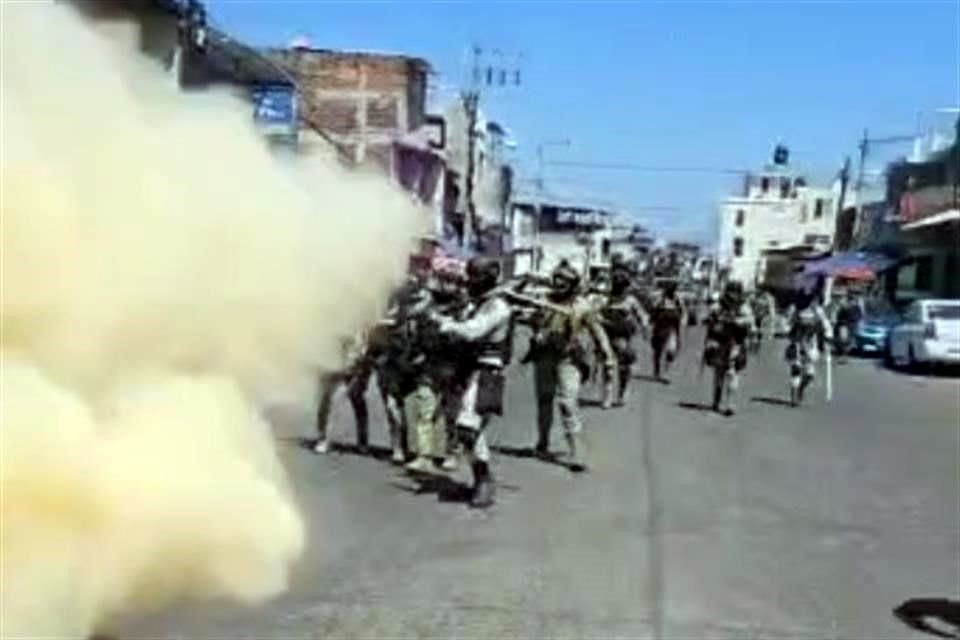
[(548, 228), (776, 210)]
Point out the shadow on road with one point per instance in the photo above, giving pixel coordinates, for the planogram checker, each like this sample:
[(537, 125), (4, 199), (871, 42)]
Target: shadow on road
[(643, 377), (779, 402), (695, 406), (378, 453), (515, 452), (528, 453), (919, 370), (446, 488), (590, 402), (920, 613)]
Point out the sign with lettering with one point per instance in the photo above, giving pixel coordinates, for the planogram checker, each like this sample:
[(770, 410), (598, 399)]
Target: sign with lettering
[(275, 109)]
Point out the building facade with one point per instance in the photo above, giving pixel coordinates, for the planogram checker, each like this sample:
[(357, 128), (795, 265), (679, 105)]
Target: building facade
[(923, 207), (360, 102), (550, 229), (776, 210)]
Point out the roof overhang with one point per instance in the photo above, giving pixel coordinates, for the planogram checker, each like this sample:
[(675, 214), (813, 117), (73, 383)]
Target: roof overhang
[(951, 215)]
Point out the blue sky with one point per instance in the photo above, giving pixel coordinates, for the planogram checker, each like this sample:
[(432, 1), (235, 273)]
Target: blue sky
[(666, 84)]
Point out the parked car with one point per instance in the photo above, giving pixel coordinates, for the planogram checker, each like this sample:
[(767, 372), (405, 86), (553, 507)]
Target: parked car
[(872, 332), (929, 332)]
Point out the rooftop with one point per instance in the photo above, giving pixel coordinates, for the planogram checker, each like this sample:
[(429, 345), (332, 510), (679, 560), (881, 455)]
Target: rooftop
[(360, 55)]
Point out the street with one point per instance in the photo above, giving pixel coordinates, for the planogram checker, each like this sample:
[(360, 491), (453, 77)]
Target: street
[(778, 523)]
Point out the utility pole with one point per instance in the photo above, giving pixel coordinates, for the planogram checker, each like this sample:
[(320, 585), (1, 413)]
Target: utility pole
[(844, 181), (865, 146), (540, 196), (493, 73)]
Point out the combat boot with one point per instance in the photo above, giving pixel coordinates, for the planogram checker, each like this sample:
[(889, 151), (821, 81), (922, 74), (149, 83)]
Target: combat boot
[(483, 489), (542, 448), (577, 461)]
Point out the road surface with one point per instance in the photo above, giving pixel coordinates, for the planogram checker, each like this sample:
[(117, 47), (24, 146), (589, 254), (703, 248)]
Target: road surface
[(777, 523)]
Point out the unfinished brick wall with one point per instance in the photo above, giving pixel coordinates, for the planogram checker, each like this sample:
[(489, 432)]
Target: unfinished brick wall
[(367, 100)]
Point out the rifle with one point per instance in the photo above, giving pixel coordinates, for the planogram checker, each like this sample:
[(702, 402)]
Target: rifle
[(536, 302)]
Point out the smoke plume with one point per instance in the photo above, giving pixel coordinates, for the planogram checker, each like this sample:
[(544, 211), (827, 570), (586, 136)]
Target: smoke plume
[(162, 276)]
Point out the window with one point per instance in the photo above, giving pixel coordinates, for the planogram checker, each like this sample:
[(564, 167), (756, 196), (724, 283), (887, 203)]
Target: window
[(820, 207), (784, 188), (764, 184), (741, 214), (738, 247), (924, 277), (943, 312)]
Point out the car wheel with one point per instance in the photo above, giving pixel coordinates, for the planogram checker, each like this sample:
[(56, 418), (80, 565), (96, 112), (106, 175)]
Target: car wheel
[(898, 362)]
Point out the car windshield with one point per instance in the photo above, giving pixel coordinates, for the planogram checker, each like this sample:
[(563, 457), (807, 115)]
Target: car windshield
[(944, 312)]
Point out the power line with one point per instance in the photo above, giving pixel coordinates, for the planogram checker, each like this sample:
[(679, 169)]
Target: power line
[(626, 166)]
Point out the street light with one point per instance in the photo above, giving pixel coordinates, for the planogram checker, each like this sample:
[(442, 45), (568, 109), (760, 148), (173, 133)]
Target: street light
[(564, 143)]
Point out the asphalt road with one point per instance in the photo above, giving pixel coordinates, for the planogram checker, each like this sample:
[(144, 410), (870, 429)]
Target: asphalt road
[(777, 523)]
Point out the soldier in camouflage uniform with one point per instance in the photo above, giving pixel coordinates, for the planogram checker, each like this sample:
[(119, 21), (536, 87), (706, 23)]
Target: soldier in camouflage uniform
[(360, 353), (428, 408), (484, 336), (403, 366), (561, 362), (810, 332), (667, 317), (728, 328), (622, 317)]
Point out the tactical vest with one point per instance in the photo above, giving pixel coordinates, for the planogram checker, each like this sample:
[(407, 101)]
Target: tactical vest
[(618, 318), (806, 324), (666, 316), (495, 349)]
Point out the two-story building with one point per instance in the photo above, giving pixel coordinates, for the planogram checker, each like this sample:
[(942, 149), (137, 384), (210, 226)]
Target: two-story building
[(776, 210), (924, 194)]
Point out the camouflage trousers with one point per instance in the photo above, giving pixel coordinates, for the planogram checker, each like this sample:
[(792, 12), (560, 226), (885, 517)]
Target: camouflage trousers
[(557, 381), (356, 380), (425, 423)]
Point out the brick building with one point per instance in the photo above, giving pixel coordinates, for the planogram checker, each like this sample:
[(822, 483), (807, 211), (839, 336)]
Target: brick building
[(362, 101)]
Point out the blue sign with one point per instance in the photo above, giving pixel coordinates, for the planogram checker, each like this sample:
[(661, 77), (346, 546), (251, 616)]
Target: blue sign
[(275, 108)]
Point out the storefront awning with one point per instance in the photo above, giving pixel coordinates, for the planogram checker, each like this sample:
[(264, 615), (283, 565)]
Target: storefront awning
[(938, 218), (854, 265)]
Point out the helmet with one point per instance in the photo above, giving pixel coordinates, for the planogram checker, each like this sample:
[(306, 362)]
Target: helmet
[(734, 288), (482, 275), (619, 279), (732, 294), (565, 278)]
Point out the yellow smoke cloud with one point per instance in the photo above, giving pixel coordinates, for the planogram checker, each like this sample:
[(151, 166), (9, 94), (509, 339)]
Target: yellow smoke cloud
[(162, 275)]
